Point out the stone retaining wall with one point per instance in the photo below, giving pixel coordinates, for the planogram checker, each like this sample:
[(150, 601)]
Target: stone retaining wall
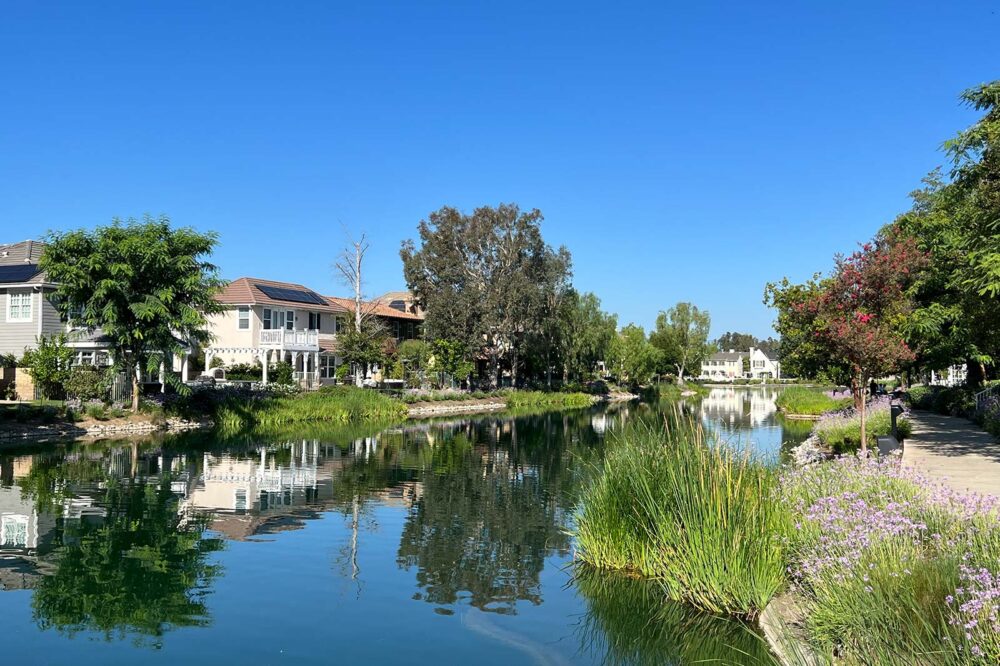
[(98, 430)]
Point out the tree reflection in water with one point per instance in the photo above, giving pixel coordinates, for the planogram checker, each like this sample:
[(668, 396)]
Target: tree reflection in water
[(628, 621), (130, 565), (494, 504)]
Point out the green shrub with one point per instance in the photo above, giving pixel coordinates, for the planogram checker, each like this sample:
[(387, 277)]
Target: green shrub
[(86, 383), (808, 402), (281, 373), (97, 411), (699, 517), (245, 372)]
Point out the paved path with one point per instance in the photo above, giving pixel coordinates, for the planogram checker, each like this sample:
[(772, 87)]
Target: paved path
[(945, 446)]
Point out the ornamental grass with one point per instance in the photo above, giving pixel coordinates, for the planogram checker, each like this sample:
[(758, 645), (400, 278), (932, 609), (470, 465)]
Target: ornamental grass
[(699, 517)]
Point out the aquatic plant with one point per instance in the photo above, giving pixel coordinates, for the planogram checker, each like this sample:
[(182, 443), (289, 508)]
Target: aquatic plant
[(803, 401), (701, 518), (337, 404), (547, 399)]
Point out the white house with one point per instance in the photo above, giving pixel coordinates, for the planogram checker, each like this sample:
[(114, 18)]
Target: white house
[(723, 366), (764, 365)]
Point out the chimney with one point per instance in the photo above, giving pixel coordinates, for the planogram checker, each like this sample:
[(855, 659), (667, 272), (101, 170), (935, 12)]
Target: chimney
[(732, 351)]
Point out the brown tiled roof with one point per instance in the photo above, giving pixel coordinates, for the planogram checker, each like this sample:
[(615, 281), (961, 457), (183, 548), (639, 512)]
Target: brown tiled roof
[(243, 291), (375, 307)]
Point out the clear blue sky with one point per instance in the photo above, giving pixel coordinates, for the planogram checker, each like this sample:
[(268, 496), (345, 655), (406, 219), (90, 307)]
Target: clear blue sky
[(682, 151)]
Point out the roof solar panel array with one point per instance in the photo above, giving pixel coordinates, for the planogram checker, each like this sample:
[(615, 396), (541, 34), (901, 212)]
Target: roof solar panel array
[(291, 295), (15, 273)]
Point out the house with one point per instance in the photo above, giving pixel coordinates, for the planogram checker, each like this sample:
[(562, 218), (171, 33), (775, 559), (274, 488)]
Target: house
[(27, 312), (764, 365), (267, 322), (723, 366)]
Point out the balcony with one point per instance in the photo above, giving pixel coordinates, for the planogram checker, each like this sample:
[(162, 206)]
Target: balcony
[(285, 340)]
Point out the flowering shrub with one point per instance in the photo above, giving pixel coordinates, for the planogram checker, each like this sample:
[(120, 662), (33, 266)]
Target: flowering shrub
[(841, 430), (893, 564)]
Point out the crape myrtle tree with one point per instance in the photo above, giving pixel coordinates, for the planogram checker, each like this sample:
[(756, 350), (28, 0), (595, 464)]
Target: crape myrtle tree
[(861, 313), (487, 280), (146, 285), (681, 336)]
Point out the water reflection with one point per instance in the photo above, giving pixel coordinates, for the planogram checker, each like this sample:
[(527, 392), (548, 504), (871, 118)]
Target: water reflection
[(465, 516), (628, 622), (748, 416)]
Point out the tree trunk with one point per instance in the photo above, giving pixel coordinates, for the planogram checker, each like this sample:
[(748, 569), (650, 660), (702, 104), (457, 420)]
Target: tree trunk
[(864, 431), (513, 368), (680, 375), (135, 389), (975, 373)]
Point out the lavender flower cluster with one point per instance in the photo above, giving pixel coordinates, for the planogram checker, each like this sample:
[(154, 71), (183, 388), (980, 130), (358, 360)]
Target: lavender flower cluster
[(858, 520)]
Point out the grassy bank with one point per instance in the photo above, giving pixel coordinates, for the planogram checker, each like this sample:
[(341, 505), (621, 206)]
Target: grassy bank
[(801, 401), (335, 404), (700, 518), (547, 400), (841, 431)]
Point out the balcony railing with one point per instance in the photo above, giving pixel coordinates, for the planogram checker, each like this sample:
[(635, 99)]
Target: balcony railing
[(280, 338)]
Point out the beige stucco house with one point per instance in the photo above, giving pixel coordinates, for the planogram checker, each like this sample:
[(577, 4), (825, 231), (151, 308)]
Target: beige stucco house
[(267, 322)]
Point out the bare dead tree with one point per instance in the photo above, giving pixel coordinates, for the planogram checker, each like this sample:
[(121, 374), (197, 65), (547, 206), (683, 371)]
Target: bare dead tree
[(350, 265)]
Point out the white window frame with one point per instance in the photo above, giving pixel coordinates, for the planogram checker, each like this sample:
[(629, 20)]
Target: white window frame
[(16, 523), (290, 320), (243, 317), (266, 320), (25, 303)]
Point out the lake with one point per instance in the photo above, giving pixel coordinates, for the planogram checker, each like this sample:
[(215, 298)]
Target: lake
[(430, 542)]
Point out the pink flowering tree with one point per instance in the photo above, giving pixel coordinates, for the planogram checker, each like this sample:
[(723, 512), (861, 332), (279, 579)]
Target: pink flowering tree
[(861, 312)]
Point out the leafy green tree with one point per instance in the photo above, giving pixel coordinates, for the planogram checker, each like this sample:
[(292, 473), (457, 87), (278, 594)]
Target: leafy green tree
[(145, 285), (449, 357), (631, 356), (487, 280), (586, 334), (738, 341), (681, 335), (366, 347), (802, 352), (49, 363)]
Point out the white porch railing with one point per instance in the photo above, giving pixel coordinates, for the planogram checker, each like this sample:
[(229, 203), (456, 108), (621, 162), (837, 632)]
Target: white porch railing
[(280, 338)]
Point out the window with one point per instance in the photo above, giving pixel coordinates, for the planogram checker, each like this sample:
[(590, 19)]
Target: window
[(15, 531), (266, 319), (328, 366), (19, 306), (314, 321), (244, 317), (290, 320), (273, 319), (240, 501), (395, 329), (339, 325)]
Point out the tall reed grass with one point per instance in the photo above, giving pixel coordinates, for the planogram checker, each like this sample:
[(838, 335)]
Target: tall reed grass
[(547, 399), (700, 517)]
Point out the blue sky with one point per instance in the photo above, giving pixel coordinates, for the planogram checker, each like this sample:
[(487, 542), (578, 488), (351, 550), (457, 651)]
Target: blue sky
[(682, 151)]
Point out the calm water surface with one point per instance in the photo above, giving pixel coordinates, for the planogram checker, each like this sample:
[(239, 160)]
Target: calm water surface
[(428, 543)]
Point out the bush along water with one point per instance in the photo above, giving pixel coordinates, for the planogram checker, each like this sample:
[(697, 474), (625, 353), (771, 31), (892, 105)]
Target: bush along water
[(700, 518)]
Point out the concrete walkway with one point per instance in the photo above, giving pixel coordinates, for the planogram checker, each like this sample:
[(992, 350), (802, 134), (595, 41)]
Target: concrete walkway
[(954, 450)]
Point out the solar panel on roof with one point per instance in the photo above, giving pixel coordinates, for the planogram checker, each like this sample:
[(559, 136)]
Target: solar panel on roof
[(15, 273), (291, 295)]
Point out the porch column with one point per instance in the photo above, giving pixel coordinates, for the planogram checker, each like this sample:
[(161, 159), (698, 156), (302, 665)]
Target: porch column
[(162, 377), (184, 366), (316, 367), (209, 355), (263, 364), (295, 361)]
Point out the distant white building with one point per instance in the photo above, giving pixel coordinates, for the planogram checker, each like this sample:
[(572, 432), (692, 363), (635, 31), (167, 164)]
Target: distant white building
[(723, 366), (764, 365)]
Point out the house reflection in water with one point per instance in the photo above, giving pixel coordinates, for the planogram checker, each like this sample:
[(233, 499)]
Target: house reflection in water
[(277, 487)]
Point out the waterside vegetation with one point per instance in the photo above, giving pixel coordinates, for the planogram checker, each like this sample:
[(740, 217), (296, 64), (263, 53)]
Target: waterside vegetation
[(801, 401)]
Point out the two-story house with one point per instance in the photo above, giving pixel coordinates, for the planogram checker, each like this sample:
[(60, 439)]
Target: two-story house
[(26, 309), (723, 366), (267, 322), (764, 365)]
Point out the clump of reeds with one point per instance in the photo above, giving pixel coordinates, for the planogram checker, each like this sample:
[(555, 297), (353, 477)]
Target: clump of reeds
[(700, 517)]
